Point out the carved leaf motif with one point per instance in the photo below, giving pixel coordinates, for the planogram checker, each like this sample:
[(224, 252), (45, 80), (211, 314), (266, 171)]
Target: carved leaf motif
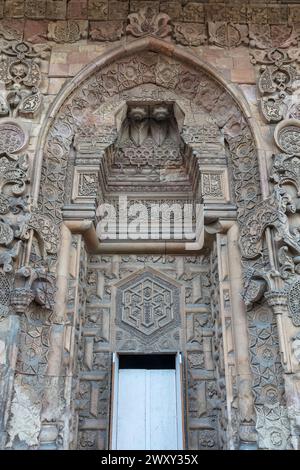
[(30, 104), (147, 21), (139, 132), (266, 81), (272, 108), (190, 34), (33, 77), (159, 131)]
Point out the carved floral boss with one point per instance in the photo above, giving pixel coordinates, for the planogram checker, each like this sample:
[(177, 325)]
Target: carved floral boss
[(147, 302)]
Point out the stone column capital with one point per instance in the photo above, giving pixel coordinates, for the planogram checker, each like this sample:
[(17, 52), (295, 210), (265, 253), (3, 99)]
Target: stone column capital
[(277, 300)]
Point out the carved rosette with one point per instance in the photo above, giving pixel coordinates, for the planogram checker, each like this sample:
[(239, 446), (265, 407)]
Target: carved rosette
[(287, 136)]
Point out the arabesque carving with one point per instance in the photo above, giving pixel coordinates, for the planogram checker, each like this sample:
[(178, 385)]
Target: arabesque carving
[(21, 72), (270, 213), (148, 21), (278, 74)]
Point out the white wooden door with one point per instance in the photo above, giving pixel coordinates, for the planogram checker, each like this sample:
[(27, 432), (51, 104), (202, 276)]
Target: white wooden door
[(147, 410)]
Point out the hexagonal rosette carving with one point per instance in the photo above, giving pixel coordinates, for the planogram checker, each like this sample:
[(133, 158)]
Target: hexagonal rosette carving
[(148, 302)]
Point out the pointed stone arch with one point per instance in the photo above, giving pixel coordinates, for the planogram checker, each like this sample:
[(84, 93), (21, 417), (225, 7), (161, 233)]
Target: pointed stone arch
[(148, 60)]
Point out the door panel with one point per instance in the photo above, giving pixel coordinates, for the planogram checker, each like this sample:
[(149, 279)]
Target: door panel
[(163, 413), (131, 409), (146, 410)]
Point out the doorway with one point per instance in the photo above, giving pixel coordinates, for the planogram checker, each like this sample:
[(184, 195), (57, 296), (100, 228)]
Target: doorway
[(147, 405)]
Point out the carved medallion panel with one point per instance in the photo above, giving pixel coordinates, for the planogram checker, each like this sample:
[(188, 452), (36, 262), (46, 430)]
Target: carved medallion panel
[(148, 303)]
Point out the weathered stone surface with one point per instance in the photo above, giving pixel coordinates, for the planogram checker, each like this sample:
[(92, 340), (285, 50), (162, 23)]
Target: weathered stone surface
[(164, 101)]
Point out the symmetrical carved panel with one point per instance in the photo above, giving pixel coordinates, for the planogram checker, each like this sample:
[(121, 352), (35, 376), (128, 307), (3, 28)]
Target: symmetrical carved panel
[(148, 308), (145, 317), (148, 303), (21, 72), (278, 74)]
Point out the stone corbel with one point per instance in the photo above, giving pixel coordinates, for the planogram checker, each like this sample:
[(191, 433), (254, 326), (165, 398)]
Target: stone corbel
[(32, 284)]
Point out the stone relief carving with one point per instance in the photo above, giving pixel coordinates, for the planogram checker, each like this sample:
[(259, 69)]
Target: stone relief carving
[(212, 185), (33, 284), (287, 136), (13, 138), (148, 21), (227, 34), (270, 213), (293, 302), (106, 30), (151, 69), (10, 30), (147, 306), (183, 81), (67, 31), (272, 423), (21, 73), (148, 68), (208, 436), (275, 35), (277, 78), (190, 34), (164, 276)]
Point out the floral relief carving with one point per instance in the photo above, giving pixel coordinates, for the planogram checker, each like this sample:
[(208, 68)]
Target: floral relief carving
[(293, 302), (227, 34), (277, 77), (270, 213), (21, 73), (272, 424), (287, 136), (125, 74), (13, 138), (33, 284), (286, 168), (148, 21), (67, 31), (10, 30), (190, 34), (269, 36)]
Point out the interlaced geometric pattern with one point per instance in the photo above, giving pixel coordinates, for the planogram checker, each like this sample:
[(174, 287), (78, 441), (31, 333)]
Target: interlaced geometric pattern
[(148, 303)]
